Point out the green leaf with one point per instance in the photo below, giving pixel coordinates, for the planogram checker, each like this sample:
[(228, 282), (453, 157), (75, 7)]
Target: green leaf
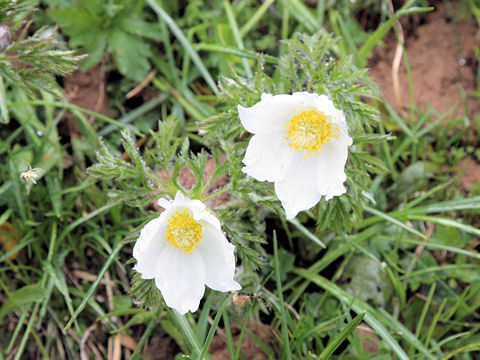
[(130, 54), (372, 138), (141, 28), (122, 302), (367, 282), (96, 53), (129, 311), (23, 296), (53, 185)]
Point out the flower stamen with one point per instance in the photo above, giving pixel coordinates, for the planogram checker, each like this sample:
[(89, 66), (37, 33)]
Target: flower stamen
[(309, 130), (183, 232)]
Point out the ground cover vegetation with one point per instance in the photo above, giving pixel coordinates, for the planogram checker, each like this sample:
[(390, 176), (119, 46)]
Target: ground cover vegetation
[(387, 270)]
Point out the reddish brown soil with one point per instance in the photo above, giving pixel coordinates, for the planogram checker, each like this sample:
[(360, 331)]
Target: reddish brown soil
[(160, 348), (187, 179), (468, 174), (87, 90), (250, 348), (441, 56)]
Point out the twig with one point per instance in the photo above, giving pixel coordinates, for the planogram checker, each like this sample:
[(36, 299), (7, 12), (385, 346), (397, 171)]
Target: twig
[(419, 249), (140, 86), (94, 349), (397, 59), (287, 305), (117, 348), (109, 289), (127, 341), (83, 341), (219, 331), (90, 277)]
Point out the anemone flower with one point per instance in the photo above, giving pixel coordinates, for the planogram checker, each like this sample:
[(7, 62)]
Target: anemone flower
[(300, 143), (184, 249)]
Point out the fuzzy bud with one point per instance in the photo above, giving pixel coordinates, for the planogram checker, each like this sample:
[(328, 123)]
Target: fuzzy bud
[(5, 37)]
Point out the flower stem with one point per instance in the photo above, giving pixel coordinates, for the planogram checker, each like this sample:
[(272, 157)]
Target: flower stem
[(217, 193)]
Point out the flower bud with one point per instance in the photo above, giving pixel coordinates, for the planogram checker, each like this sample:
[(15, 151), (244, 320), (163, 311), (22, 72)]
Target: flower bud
[(5, 37)]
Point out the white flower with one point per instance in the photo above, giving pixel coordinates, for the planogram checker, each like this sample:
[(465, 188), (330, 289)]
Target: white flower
[(184, 249), (300, 143)]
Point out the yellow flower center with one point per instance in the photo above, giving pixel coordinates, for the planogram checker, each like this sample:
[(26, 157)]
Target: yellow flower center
[(183, 232), (309, 130)]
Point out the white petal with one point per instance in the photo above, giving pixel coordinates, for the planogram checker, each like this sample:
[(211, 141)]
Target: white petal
[(181, 279), (180, 197), (265, 97), (149, 245), (197, 209), (164, 203), (205, 215), (272, 113), (268, 158), (331, 169), (219, 260), (298, 190), (339, 119), (324, 104), (181, 201)]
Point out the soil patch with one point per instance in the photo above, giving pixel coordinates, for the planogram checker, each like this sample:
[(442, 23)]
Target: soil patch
[(468, 172), (442, 60), (250, 348), (187, 179), (87, 90), (161, 348)]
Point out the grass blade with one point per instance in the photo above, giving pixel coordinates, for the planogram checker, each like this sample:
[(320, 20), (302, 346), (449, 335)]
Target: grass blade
[(186, 44), (247, 54), (285, 339), (373, 40), (307, 232), (447, 222), (255, 18), (332, 346), (393, 221), (213, 328), (93, 287), (426, 306), (467, 348), (151, 324), (374, 318), (187, 331), (302, 14), (236, 34)]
